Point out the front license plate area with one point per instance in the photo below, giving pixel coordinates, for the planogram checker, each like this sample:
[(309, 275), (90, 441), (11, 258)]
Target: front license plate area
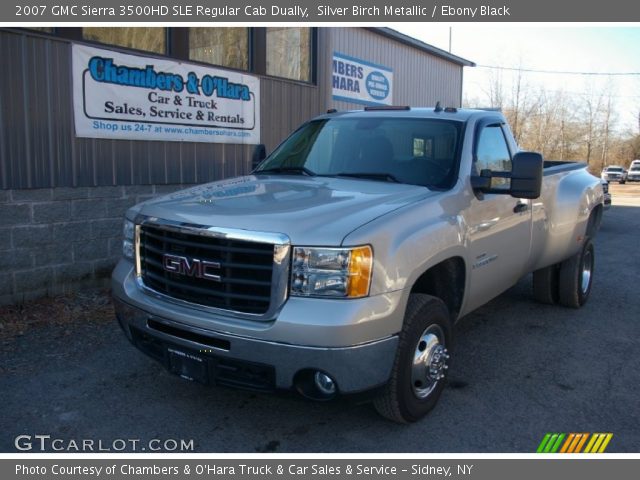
[(188, 366)]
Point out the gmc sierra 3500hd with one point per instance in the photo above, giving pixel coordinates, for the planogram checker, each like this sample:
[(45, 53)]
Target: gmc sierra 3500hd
[(342, 262)]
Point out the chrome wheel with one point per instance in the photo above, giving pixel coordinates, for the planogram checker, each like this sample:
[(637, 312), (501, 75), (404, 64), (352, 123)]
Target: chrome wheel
[(429, 361), (415, 384), (587, 269), (575, 278)]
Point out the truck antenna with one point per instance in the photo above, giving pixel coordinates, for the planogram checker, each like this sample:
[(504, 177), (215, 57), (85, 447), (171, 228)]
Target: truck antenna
[(438, 108)]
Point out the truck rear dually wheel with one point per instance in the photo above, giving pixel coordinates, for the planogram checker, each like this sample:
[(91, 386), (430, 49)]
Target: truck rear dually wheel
[(576, 277), (421, 362)]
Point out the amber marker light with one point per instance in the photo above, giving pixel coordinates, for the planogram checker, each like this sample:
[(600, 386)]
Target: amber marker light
[(360, 265)]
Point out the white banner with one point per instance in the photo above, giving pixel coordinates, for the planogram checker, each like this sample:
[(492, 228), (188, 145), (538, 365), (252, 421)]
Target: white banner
[(117, 95), (359, 81)]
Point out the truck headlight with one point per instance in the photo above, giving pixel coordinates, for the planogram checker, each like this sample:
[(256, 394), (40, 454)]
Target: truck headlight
[(331, 272), (128, 232)]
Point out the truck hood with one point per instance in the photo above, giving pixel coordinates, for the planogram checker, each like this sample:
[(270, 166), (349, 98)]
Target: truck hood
[(309, 210)]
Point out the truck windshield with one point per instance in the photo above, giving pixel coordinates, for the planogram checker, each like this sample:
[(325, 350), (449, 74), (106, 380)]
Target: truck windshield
[(405, 150), (614, 169)]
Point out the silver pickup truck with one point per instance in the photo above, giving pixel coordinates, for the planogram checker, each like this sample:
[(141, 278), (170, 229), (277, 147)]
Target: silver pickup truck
[(342, 262)]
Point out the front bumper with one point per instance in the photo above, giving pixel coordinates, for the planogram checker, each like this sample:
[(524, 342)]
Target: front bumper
[(249, 354), (612, 178)]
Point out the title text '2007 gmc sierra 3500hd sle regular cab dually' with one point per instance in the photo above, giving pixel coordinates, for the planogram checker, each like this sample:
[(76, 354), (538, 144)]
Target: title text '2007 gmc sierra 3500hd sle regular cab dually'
[(341, 263)]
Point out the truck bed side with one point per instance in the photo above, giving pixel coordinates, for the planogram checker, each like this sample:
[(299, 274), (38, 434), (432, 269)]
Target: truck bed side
[(561, 215)]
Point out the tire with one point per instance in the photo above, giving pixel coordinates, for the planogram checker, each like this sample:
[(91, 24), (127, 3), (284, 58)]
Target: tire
[(412, 390), (576, 277), (545, 285)]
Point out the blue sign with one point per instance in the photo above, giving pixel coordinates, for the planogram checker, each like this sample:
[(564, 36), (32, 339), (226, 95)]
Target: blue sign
[(378, 85), (359, 81)]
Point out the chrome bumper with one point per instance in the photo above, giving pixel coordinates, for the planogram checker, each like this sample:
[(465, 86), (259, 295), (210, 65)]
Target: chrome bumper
[(330, 336), (354, 369)]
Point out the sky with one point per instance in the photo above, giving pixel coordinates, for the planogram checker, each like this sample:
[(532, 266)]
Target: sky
[(556, 48)]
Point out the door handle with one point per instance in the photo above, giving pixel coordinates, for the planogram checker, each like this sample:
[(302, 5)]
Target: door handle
[(520, 207), (484, 226)]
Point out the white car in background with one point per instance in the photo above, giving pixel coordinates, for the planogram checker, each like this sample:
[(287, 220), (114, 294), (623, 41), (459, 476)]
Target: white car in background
[(634, 171), (614, 173)]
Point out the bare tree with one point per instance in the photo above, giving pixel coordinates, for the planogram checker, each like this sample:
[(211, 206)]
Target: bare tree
[(606, 127), (563, 125), (593, 107), (495, 89)]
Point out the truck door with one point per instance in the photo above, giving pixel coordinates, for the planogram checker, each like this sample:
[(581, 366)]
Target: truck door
[(498, 225)]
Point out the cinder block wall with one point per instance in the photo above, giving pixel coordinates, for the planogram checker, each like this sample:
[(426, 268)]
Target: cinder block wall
[(55, 240)]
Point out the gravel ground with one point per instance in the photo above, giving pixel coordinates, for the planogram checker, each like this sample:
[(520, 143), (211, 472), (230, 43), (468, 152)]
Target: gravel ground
[(521, 370)]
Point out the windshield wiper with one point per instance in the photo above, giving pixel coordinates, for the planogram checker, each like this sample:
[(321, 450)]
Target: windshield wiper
[(387, 177), (300, 170)]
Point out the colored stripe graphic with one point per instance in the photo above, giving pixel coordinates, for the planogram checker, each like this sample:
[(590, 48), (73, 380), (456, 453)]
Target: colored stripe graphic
[(556, 445), (552, 440), (605, 443), (591, 443), (543, 443), (568, 443), (551, 443), (598, 442), (581, 442), (574, 443)]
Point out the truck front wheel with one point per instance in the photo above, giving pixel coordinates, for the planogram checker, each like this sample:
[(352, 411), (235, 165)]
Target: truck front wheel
[(421, 362), (576, 277)]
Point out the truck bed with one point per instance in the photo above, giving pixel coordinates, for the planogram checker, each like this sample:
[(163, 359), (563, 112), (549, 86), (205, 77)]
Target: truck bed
[(552, 167)]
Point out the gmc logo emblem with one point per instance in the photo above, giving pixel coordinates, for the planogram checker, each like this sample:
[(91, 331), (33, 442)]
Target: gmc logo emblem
[(191, 267)]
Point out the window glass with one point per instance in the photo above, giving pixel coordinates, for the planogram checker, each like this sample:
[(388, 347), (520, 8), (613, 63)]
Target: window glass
[(423, 147), (228, 47), (493, 154), (147, 38), (374, 148), (289, 53)]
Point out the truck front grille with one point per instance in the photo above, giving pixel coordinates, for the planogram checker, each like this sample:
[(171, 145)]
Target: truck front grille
[(238, 275)]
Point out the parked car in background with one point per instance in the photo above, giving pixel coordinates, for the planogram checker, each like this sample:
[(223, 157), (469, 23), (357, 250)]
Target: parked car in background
[(634, 171), (614, 173)]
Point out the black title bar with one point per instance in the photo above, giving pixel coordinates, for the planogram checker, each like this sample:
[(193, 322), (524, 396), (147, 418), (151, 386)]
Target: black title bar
[(284, 11)]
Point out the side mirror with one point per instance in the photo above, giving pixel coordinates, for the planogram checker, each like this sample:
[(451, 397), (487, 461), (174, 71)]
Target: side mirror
[(259, 154), (526, 175)]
